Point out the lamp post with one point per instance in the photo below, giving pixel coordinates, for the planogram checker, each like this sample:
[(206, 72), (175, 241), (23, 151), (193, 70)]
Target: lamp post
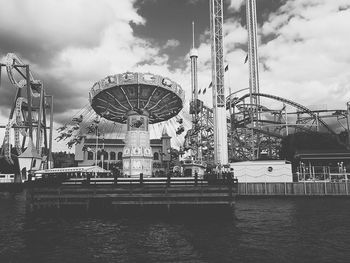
[(347, 120), (169, 152), (96, 150), (303, 169)]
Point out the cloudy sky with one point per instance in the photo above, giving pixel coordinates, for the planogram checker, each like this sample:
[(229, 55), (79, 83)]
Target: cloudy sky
[(70, 44)]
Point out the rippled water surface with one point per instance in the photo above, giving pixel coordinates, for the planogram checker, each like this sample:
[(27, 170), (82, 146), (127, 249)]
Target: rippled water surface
[(261, 230)]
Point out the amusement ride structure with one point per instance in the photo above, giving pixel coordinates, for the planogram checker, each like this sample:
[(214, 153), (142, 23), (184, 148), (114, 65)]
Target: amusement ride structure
[(137, 100), (255, 125), (243, 125), (28, 118)]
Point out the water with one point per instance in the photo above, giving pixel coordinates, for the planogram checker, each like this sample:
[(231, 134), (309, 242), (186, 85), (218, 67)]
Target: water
[(261, 230)]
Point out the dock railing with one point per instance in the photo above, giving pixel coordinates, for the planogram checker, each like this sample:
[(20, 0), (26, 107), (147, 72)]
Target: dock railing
[(133, 192), (306, 188)]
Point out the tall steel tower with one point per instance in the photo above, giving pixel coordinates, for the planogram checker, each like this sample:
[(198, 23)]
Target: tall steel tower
[(253, 73), (219, 101), (194, 86)]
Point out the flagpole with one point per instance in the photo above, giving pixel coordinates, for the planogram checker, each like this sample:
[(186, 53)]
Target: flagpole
[(230, 112), (286, 117), (96, 151)]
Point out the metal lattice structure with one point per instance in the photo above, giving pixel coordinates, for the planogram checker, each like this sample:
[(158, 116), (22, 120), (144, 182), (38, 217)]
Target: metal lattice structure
[(253, 74), (28, 112), (219, 98), (278, 118)]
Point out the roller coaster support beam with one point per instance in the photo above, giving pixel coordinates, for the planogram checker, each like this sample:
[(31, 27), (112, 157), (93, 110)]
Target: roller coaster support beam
[(49, 157), (44, 121), (347, 121), (29, 98), (38, 133)]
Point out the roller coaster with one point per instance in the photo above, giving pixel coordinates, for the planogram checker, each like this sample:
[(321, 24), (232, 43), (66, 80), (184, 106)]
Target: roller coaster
[(28, 119)]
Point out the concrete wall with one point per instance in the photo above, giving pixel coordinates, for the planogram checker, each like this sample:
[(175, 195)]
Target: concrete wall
[(263, 171)]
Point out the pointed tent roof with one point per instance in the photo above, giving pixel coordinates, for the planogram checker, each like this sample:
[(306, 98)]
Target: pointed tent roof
[(31, 151), (165, 133)]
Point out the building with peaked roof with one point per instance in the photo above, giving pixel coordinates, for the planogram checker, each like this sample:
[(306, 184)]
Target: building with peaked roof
[(29, 160), (110, 153)]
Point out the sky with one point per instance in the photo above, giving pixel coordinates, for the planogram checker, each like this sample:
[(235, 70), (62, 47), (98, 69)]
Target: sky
[(70, 44)]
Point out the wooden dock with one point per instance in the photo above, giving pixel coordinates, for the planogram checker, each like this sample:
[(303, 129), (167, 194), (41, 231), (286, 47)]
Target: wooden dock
[(294, 189), (129, 193), (162, 193)]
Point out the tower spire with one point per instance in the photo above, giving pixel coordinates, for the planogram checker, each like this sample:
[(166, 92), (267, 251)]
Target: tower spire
[(192, 34)]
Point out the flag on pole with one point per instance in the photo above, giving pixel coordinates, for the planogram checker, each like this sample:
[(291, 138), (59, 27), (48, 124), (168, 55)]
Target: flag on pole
[(226, 68), (246, 59), (204, 91), (199, 92), (210, 85)]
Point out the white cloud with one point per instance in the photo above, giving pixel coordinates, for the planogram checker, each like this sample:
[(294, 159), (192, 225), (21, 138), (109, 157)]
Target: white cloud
[(64, 22), (236, 4), (309, 56), (171, 43)]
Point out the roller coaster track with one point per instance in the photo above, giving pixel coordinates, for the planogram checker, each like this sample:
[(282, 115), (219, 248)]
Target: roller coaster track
[(18, 78), (19, 123), (12, 60), (289, 102)]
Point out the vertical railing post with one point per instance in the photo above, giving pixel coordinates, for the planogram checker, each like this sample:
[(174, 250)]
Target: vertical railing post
[(346, 187), (168, 180), (285, 188), (141, 178)]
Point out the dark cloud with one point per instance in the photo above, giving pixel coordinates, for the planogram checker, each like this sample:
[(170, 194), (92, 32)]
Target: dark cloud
[(169, 19), (39, 51), (264, 8), (66, 97), (8, 94)]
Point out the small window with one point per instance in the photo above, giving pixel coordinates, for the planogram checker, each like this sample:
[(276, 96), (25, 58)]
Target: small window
[(34, 163), (105, 155), (156, 156), (112, 156), (90, 155), (120, 155)]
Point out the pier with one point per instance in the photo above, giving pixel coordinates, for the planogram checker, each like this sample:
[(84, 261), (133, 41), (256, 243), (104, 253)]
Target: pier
[(131, 193)]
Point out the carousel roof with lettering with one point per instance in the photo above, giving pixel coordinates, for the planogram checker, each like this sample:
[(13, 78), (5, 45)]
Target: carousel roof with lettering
[(147, 94)]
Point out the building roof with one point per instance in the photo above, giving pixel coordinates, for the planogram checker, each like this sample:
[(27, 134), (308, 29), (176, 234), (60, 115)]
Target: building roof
[(117, 141), (83, 169), (260, 162), (165, 133), (105, 141), (30, 152), (155, 141), (323, 155)]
